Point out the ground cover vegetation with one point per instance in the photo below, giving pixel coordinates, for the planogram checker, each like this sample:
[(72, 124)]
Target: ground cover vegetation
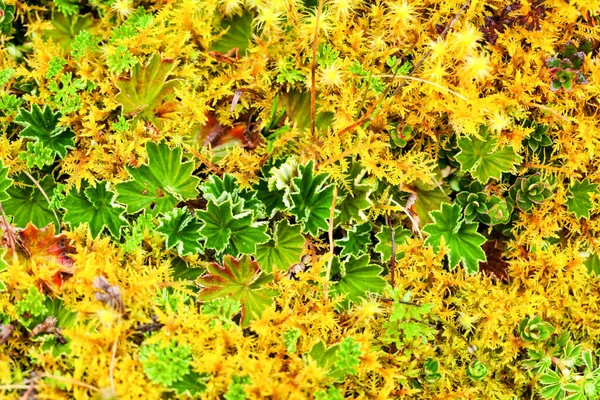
[(298, 199)]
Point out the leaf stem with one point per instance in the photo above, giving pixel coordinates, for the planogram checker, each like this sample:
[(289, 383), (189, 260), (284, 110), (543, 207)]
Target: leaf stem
[(111, 368), (37, 184), (412, 78), (71, 381), (313, 70), (10, 234), (331, 245), (388, 221)]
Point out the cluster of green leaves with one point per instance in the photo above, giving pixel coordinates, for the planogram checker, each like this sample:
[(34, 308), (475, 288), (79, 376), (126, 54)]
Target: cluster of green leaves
[(565, 369), (565, 69), (408, 325), (339, 359), (255, 233), (169, 365)]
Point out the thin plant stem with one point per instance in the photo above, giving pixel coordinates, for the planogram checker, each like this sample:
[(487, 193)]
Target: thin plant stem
[(412, 78), (551, 111), (388, 221), (331, 245), (37, 184), (313, 71), (111, 369), (409, 215), (13, 387), (71, 381), (9, 234)]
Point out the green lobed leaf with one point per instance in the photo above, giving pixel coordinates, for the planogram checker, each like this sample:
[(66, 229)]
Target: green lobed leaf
[(579, 202), (238, 34), (355, 196), (240, 279), (592, 264), (97, 207), (384, 241), (191, 384), (5, 182), (220, 189), (429, 198), (27, 204), (271, 198), (3, 267), (65, 28), (222, 229), (160, 185), (481, 158), (357, 240), (326, 358), (223, 309), (461, 238), (311, 199), (181, 230), (142, 94), (42, 125), (354, 278), (166, 364), (280, 181), (284, 248)]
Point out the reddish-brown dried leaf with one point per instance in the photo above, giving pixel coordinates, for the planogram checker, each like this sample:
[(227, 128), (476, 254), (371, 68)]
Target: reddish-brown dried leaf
[(41, 246)]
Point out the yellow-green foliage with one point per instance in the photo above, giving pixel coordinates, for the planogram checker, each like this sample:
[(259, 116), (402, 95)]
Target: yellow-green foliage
[(464, 82)]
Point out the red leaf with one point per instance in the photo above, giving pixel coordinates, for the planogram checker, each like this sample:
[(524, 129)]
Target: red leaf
[(41, 246)]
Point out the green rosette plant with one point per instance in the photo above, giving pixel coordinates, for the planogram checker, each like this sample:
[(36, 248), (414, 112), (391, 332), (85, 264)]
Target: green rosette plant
[(535, 329), (528, 191)]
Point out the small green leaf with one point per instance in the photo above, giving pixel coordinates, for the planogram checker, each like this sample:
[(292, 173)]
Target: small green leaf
[(283, 250), (5, 182), (354, 278), (481, 158), (384, 241), (348, 356), (3, 267), (550, 378), (592, 264), (311, 199), (461, 238), (147, 90), (355, 196), (160, 185), (357, 240), (181, 230), (238, 34), (290, 339), (43, 126), (166, 364), (191, 384), (27, 204), (219, 190), (222, 228), (95, 206), (223, 309), (240, 280), (37, 155), (579, 201)]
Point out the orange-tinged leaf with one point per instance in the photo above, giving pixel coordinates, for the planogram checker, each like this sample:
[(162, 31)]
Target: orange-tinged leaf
[(240, 280), (41, 246)]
